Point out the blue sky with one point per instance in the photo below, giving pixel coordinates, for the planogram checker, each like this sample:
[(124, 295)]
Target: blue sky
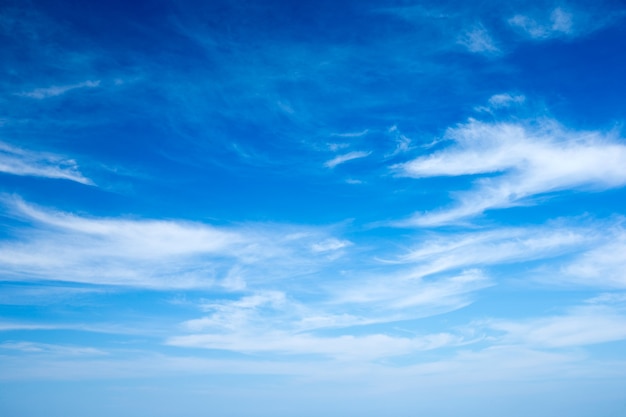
[(277, 208)]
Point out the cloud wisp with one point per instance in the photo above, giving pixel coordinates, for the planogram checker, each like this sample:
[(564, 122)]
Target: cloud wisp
[(57, 90), (518, 161), (564, 22), (342, 159), (559, 23), (478, 40), (18, 161), (157, 254)]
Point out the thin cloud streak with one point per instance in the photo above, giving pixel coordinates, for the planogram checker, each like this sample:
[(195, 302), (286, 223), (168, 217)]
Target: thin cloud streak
[(345, 348), (341, 159), (22, 162), (57, 90)]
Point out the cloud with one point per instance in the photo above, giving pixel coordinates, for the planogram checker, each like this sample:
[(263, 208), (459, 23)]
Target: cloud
[(345, 158), (569, 252), (559, 23), (602, 266), (495, 247), (17, 161), (441, 274), (403, 143), (582, 326), (478, 40), (57, 90), (562, 22), (46, 348), (352, 134), (518, 161), (406, 294), (271, 322), (347, 347), (501, 101), (160, 254), (332, 244)]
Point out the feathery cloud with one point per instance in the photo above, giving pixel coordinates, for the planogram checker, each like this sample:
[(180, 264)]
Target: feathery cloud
[(478, 40), (345, 158), (57, 90), (560, 22), (520, 161), (148, 253), (17, 161)]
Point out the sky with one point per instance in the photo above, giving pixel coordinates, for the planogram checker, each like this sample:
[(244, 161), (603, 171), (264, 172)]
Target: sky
[(278, 208)]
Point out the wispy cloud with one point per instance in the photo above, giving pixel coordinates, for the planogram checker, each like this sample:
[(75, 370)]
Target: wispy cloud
[(148, 253), (338, 160), (405, 294), (582, 326), (522, 160), (501, 101), (478, 40), (18, 161), (329, 245), (57, 90), (564, 22), (348, 347), (559, 22), (352, 134), (496, 247), (47, 348), (601, 266)]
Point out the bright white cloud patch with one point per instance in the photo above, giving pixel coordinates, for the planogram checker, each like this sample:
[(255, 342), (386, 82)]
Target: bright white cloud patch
[(17, 161), (521, 161)]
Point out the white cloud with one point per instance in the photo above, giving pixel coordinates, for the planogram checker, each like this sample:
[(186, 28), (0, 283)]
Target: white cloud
[(337, 146), (352, 134), (152, 253), (602, 266), (561, 22), (331, 244), (46, 348), (17, 161), (495, 247), (478, 40), (505, 100), (501, 101), (57, 90), (403, 143), (523, 160), (348, 347), (582, 326), (340, 159), (406, 294)]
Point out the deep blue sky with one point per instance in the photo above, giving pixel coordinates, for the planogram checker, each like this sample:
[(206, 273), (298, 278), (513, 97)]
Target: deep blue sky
[(278, 208)]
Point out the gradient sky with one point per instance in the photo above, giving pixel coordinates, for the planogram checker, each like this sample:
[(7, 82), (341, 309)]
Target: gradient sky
[(304, 208)]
